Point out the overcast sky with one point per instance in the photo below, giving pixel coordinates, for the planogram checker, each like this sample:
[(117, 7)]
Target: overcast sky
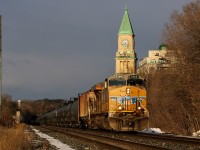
[(59, 48)]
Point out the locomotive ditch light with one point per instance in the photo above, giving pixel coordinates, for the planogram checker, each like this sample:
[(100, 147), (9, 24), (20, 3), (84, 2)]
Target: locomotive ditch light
[(128, 90), (120, 108), (139, 107)]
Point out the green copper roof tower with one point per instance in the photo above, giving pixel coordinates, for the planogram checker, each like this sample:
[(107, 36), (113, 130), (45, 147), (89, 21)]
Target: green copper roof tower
[(126, 27), (126, 59)]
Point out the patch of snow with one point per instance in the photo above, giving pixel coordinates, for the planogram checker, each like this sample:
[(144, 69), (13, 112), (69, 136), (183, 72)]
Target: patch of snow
[(152, 131), (53, 141), (197, 134)]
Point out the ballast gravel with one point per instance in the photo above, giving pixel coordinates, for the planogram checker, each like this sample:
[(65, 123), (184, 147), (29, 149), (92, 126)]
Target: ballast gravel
[(39, 143)]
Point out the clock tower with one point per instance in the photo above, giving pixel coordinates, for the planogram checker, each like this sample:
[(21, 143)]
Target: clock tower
[(125, 56)]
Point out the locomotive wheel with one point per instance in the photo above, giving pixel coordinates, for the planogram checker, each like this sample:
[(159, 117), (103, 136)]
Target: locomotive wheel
[(106, 124), (115, 124)]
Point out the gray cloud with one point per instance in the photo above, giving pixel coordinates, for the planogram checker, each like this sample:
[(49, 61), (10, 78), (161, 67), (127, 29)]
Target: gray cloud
[(56, 49)]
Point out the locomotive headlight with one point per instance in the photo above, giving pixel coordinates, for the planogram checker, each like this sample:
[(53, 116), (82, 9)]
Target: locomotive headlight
[(128, 90), (120, 107), (139, 107)]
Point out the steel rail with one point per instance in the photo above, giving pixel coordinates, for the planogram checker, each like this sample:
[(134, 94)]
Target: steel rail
[(112, 143), (171, 138)]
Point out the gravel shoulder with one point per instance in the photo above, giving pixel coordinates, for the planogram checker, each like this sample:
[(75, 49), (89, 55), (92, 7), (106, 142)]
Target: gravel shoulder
[(39, 143)]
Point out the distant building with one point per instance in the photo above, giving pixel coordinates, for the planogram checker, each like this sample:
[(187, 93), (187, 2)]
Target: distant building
[(156, 60)]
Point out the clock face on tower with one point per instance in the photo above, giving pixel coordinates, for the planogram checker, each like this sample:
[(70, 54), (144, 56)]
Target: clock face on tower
[(125, 43)]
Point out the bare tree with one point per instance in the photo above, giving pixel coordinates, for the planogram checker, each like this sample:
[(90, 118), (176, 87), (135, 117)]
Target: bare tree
[(8, 110), (174, 95)]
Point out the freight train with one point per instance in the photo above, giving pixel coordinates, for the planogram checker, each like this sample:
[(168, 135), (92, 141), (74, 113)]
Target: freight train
[(118, 103)]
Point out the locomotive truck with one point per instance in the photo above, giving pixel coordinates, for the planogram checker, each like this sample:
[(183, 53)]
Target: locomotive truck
[(118, 103)]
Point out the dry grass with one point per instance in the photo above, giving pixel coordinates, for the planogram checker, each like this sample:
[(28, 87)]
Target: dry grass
[(13, 138)]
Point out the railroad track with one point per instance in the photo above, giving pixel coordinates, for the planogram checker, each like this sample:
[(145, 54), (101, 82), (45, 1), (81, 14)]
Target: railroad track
[(159, 137), (172, 139), (105, 142), (192, 141)]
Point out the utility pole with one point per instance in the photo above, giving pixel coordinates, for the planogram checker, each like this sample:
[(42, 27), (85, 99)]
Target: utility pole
[(18, 112), (0, 70)]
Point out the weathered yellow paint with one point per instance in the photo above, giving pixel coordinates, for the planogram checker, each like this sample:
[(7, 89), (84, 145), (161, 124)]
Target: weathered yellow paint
[(135, 92)]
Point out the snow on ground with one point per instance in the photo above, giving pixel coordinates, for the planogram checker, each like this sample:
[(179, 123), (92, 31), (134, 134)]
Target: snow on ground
[(197, 134), (152, 131), (53, 141), (158, 131)]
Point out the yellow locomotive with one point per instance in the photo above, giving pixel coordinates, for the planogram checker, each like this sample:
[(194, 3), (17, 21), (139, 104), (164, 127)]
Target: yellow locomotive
[(118, 103)]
